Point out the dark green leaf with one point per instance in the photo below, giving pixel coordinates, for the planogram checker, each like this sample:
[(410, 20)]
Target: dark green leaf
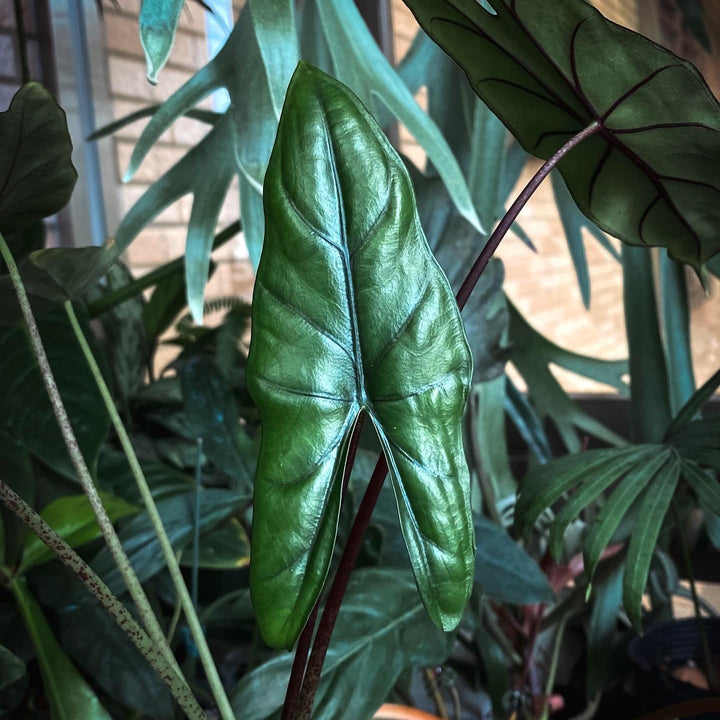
[(650, 399), (694, 404), (68, 694), (648, 176), (12, 668), (26, 417), (651, 513), (141, 544), (369, 322), (573, 222), (224, 548), (693, 20), (164, 305), (381, 631), (36, 174), (504, 570), (707, 488), (617, 505), (527, 422), (23, 241), (213, 417), (104, 653), (541, 488), (73, 519), (487, 436), (602, 662), (158, 23), (124, 339), (676, 331), (17, 472)]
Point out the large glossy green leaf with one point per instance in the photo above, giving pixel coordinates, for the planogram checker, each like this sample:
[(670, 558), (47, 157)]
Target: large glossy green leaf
[(381, 631), (68, 694), (651, 513), (142, 545), (503, 570), (26, 416), (36, 174), (73, 519), (548, 70), (351, 313), (158, 23)]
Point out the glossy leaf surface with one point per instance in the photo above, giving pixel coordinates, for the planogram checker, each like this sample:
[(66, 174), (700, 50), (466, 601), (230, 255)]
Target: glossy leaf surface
[(382, 630), (158, 23), (648, 176), (368, 322), (72, 518), (36, 174)]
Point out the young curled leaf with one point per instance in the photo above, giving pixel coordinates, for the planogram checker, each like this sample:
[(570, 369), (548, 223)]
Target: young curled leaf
[(351, 313)]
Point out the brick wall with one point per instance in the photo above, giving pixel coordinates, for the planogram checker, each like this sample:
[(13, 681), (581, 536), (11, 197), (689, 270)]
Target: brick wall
[(543, 285), (130, 91)]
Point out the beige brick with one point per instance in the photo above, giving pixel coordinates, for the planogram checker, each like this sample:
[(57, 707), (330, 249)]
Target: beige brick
[(149, 248), (158, 161)]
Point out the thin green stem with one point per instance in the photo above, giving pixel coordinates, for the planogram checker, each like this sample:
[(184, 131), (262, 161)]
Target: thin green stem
[(709, 664), (195, 580), (150, 651), (550, 683), (106, 527), (170, 560)]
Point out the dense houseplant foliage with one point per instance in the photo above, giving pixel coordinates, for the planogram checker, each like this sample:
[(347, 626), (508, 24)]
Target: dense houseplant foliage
[(352, 318)]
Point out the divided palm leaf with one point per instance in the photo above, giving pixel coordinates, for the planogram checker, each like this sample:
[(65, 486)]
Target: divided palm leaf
[(369, 324), (646, 474), (648, 175)]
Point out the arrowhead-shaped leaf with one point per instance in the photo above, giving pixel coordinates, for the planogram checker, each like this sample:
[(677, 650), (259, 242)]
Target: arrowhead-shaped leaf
[(550, 69), (351, 312)]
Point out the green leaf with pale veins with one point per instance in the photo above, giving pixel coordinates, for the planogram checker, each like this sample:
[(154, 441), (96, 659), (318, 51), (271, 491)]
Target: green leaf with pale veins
[(36, 174), (158, 24), (550, 69), (368, 323)]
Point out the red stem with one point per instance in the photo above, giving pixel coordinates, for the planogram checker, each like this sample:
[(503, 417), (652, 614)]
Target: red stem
[(362, 519), (510, 216), (297, 673)]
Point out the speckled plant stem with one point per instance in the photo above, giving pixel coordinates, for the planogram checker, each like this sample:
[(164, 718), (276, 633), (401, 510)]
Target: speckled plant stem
[(175, 682), (106, 527)]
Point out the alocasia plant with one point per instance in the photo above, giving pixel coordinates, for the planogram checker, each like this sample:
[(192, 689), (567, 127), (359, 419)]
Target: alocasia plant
[(351, 314), (647, 174)]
